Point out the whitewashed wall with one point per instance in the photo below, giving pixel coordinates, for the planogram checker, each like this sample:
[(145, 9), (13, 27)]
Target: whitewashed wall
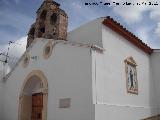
[(73, 73), (68, 71), (89, 33), (112, 100), (1, 99), (4, 70), (155, 62)]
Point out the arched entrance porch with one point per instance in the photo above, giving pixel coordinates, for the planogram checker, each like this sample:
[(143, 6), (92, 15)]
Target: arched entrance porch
[(33, 97)]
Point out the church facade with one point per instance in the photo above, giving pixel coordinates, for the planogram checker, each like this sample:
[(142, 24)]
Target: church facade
[(98, 71)]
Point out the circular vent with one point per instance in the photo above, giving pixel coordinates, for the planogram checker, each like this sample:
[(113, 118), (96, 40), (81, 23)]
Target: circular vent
[(48, 50)]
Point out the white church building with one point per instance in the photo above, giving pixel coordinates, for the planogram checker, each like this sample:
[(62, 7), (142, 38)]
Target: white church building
[(99, 71)]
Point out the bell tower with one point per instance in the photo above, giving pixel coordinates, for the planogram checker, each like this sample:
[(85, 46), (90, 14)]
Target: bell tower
[(51, 23)]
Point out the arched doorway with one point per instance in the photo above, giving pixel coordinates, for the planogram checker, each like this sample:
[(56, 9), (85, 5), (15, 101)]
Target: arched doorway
[(33, 97)]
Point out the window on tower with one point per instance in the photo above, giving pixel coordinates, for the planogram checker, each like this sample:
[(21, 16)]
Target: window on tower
[(41, 32), (43, 15), (42, 29), (53, 18)]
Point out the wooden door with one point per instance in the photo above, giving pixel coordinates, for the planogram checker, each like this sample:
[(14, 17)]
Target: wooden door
[(37, 106)]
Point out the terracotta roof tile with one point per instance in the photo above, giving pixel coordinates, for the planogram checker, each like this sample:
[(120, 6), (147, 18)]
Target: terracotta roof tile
[(118, 28)]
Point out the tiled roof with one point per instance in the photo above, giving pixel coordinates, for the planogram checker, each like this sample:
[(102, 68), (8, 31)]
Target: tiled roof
[(118, 28)]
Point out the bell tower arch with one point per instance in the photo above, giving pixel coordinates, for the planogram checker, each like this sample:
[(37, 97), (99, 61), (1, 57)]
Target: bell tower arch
[(51, 23)]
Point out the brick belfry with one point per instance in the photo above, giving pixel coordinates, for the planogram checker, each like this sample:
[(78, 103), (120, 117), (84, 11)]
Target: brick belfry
[(51, 23)]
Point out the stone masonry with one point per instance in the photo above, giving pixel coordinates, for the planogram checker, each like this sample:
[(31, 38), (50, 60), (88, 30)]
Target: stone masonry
[(51, 23)]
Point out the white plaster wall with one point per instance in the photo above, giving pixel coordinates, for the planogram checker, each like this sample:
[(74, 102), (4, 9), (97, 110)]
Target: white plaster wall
[(112, 100), (1, 99), (68, 71), (89, 33), (71, 78), (3, 71), (155, 65)]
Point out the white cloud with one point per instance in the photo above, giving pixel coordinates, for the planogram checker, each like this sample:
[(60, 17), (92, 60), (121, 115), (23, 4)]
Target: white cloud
[(79, 15), (155, 14), (79, 10), (157, 30), (131, 13), (19, 48), (15, 19), (76, 5), (15, 52), (134, 13), (143, 34), (16, 48), (137, 14)]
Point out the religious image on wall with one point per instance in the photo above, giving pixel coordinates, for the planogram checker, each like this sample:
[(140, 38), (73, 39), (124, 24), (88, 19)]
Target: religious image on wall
[(131, 76)]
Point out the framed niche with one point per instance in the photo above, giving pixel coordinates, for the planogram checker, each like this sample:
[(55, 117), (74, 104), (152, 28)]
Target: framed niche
[(131, 75)]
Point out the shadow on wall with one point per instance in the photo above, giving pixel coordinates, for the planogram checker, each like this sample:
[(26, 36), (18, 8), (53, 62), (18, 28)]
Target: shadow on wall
[(154, 108), (153, 118)]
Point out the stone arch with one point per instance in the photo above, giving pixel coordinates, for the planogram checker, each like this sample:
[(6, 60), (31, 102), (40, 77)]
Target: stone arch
[(42, 19), (36, 77)]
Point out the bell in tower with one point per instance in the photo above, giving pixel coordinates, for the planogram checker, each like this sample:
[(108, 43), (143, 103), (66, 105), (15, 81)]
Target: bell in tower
[(51, 23)]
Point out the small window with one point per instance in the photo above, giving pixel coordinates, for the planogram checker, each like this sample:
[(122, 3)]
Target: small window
[(53, 19), (54, 31), (41, 32), (42, 29), (43, 15)]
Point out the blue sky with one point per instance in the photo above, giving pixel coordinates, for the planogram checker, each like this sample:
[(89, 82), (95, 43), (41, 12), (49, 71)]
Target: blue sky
[(16, 16)]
